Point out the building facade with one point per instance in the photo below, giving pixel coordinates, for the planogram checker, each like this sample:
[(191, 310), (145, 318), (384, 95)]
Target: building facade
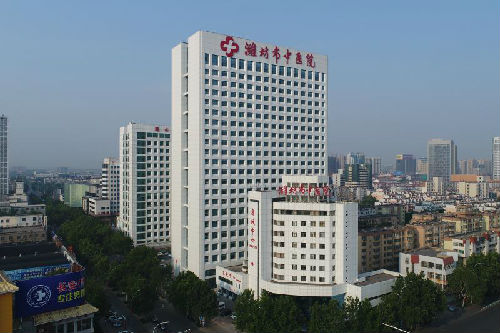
[(110, 183), (4, 165), (496, 158), (145, 183), (441, 159), (421, 167), (245, 114), (300, 240), (358, 175), (379, 248), (406, 164), (468, 244), (376, 163), (435, 265)]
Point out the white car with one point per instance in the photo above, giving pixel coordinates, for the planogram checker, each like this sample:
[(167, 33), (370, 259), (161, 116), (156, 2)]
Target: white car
[(233, 316)]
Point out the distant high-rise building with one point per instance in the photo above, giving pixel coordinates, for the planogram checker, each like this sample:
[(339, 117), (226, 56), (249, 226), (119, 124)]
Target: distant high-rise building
[(355, 158), (441, 159), (496, 158), (462, 167), (335, 163), (376, 163), (422, 166), (406, 164), (4, 175), (110, 183), (358, 175), (243, 117), (145, 183)]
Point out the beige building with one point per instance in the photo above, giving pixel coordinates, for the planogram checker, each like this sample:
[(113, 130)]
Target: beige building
[(465, 222), (379, 248), (30, 234), (431, 233), (473, 190)]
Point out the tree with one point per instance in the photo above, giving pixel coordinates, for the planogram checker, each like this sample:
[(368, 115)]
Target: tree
[(466, 286), (192, 296), (286, 314), (327, 318), (245, 308), (413, 301), (367, 202)]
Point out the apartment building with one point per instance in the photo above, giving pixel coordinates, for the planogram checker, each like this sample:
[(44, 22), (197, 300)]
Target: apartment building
[(145, 183)]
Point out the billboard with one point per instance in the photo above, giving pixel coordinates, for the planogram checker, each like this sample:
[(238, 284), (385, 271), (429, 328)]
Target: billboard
[(32, 272), (49, 293)]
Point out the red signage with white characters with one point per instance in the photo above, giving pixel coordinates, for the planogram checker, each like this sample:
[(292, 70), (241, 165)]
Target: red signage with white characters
[(302, 190), (230, 47)]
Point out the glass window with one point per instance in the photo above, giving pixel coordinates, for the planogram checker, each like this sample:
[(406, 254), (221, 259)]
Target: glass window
[(215, 60)]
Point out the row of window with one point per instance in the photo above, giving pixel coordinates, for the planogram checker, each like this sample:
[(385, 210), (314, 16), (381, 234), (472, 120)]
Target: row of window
[(257, 66)]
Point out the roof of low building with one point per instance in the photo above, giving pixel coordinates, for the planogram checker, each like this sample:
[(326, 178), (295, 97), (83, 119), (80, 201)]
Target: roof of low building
[(58, 315), (6, 287), (376, 278)]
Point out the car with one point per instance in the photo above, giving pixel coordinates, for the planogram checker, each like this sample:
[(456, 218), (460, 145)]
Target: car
[(159, 254), (452, 308), (233, 316), (116, 323), (222, 305)]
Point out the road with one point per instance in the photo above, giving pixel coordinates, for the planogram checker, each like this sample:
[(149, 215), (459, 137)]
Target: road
[(487, 321), (164, 311)]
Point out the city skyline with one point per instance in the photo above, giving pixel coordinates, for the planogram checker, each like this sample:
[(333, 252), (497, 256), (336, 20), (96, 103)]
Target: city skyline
[(442, 74)]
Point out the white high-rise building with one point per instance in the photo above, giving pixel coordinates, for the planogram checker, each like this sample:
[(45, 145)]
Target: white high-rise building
[(496, 157), (110, 183), (144, 183), (244, 113), (4, 166)]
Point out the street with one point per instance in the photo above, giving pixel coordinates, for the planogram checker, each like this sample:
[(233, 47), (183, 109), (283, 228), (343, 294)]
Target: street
[(164, 311), (487, 321)]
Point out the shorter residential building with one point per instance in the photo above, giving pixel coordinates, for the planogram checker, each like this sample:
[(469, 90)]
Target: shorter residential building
[(431, 233), (473, 190), (96, 206), (379, 248), (465, 221), (381, 215), (476, 243), (436, 265), (27, 234)]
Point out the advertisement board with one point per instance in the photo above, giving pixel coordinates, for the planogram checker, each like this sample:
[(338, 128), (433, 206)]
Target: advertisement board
[(49, 293), (32, 272)]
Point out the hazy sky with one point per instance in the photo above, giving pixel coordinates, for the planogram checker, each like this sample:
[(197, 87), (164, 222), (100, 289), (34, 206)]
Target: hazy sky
[(401, 72)]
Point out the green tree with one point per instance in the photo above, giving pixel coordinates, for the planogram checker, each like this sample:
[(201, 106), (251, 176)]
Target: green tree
[(367, 202), (245, 308), (327, 318), (414, 301), (286, 315), (192, 296), (465, 284)]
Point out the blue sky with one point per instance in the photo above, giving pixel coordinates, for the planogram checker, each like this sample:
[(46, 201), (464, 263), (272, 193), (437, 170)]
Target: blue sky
[(401, 72)]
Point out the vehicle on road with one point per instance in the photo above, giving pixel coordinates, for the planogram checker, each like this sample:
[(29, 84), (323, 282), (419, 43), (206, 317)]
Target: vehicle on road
[(233, 316), (222, 305), (452, 308)]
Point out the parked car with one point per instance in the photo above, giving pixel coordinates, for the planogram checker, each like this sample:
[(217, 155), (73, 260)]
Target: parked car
[(233, 316), (452, 308), (222, 305)]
